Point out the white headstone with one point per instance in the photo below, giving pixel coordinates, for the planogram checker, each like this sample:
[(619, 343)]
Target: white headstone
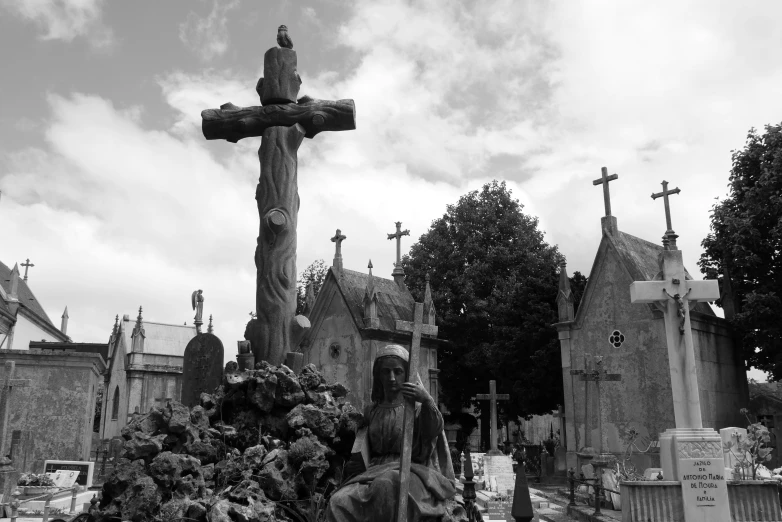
[(732, 455), (499, 469)]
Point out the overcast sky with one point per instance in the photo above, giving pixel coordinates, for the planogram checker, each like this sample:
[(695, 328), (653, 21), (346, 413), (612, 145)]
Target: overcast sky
[(110, 189)]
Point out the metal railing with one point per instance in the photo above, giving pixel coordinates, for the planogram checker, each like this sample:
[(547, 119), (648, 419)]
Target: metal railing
[(15, 502), (594, 483)]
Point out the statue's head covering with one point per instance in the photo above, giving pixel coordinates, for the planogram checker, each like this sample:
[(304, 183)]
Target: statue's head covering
[(393, 350)]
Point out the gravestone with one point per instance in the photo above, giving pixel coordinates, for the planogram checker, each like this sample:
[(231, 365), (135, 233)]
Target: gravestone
[(64, 478), (202, 369), (499, 468), (730, 450), (83, 468)]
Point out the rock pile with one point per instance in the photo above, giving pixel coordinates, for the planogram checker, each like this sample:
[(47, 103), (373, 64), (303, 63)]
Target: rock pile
[(268, 445)]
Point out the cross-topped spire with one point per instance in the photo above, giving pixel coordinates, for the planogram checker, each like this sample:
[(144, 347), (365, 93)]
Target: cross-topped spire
[(669, 233), (604, 180), (398, 273), (337, 240), (27, 264)]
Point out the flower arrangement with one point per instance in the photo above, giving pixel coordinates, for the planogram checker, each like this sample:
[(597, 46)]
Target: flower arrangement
[(32, 480)]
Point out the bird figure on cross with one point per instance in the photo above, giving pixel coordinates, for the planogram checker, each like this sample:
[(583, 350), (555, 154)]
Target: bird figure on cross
[(283, 40)]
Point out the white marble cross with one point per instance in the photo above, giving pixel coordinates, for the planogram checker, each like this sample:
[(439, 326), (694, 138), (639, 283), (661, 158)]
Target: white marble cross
[(675, 294)]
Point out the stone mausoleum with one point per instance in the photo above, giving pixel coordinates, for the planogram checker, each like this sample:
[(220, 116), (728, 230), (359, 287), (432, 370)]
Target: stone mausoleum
[(352, 316), (144, 369), (631, 340)]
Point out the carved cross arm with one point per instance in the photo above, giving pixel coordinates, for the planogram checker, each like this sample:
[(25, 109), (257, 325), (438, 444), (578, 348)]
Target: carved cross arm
[(233, 123)]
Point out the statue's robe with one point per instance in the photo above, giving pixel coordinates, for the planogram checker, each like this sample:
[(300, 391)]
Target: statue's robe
[(373, 495)]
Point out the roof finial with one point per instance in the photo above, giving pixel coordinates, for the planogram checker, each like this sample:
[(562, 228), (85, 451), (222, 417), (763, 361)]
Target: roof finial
[(116, 325), (64, 322), (139, 318), (26, 266), (429, 311), (14, 293), (564, 295), (398, 273), (337, 240), (209, 328), (371, 319)]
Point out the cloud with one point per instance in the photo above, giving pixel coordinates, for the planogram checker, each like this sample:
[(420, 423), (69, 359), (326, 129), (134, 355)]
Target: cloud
[(208, 36), (65, 19)]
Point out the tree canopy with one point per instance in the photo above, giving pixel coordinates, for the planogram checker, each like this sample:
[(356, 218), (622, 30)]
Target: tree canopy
[(745, 242), (494, 283), (315, 273)]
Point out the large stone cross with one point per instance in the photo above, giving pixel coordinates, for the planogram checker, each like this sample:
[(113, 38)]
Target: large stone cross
[(338, 238), (493, 397), (674, 295), (283, 122), (603, 180)]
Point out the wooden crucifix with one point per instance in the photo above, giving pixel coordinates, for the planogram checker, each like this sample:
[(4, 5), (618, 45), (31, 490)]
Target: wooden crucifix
[(493, 397), (283, 122), (597, 376), (604, 180), (417, 327), (338, 238)]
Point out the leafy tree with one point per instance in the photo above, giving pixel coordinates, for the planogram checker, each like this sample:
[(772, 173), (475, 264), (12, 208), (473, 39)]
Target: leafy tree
[(578, 283), (494, 284), (745, 242), (315, 274)]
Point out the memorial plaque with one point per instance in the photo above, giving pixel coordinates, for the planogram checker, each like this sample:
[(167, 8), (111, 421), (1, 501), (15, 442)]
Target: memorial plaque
[(202, 369), (704, 489), (84, 469), (500, 511), (63, 478)]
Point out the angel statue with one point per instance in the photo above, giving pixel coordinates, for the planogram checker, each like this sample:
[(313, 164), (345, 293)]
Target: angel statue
[(197, 300), (371, 493)]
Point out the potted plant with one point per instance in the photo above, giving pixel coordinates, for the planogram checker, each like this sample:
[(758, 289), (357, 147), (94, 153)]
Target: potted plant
[(33, 484), (750, 451)]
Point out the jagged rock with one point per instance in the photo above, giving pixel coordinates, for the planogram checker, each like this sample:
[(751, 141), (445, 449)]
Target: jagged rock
[(177, 417), (203, 451), (199, 418), (174, 509), (315, 419), (310, 378), (237, 380), (276, 426), (139, 501), (195, 512), (264, 392), (253, 457), (309, 457), (207, 401), (247, 492), (288, 392), (227, 511), (181, 474), (320, 399), (338, 390), (350, 420), (150, 423), (142, 445), (208, 472), (278, 478)]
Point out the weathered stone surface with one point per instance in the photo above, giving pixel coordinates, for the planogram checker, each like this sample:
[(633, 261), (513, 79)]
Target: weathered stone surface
[(202, 367), (277, 478), (179, 473), (281, 81), (142, 446), (199, 418), (264, 392), (177, 415), (253, 457), (350, 420), (203, 451), (289, 392), (317, 420), (227, 511), (140, 500), (309, 457), (310, 378), (150, 423)]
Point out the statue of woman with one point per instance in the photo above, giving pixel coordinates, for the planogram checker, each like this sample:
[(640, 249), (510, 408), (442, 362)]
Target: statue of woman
[(372, 496)]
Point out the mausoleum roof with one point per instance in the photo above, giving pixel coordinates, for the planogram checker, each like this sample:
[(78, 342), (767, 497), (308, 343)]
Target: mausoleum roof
[(640, 257), (393, 303), (26, 297)]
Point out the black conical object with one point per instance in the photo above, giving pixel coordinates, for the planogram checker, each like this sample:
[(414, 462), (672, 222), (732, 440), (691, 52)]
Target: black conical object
[(521, 511)]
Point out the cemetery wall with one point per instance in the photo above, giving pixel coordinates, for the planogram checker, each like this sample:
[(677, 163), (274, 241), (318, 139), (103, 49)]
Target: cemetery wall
[(538, 428), (57, 407)]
